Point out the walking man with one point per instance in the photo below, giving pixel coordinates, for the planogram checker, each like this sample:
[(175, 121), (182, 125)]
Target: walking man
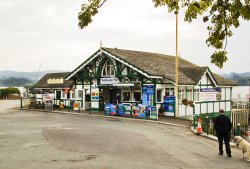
[(222, 126)]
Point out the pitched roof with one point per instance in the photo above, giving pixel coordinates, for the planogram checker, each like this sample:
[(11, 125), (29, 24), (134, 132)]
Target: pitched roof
[(164, 65), (43, 82)]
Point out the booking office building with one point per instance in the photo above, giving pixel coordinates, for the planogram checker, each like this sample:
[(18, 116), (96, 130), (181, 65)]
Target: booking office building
[(149, 79)]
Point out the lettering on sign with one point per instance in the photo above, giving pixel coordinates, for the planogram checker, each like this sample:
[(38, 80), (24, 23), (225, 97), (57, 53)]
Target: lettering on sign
[(218, 89), (109, 80)]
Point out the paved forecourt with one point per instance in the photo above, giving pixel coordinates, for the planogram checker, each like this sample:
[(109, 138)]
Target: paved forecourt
[(49, 140)]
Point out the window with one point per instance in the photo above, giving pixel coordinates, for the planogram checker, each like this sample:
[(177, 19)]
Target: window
[(108, 69), (181, 95), (58, 94), (189, 94), (169, 92), (218, 96), (79, 94), (196, 94), (137, 96), (63, 95), (73, 94), (126, 94), (159, 95)]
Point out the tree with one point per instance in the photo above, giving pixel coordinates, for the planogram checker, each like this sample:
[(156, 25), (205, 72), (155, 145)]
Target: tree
[(222, 16)]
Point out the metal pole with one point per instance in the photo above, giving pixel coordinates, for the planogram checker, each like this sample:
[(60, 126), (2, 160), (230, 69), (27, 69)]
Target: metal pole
[(207, 124), (194, 117), (238, 129), (176, 69)]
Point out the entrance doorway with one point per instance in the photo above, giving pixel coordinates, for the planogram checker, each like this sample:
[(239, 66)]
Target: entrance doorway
[(107, 95)]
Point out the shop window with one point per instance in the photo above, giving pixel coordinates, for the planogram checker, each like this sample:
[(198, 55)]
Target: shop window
[(126, 96), (63, 95), (73, 95), (108, 69), (181, 95), (189, 94), (58, 94), (169, 92), (137, 96), (196, 94), (159, 95), (79, 94), (218, 96)]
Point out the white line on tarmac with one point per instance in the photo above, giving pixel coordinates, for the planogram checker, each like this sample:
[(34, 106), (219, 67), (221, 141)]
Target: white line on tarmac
[(2, 133)]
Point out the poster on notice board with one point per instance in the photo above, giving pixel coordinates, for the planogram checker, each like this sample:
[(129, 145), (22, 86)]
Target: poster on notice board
[(153, 113)]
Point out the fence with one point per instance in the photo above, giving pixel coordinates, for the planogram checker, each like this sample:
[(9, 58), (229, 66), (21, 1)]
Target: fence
[(25, 102), (239, 118), (240, 121)]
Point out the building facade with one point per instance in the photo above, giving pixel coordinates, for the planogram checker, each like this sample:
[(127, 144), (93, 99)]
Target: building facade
[(54, 86), (148, 79)]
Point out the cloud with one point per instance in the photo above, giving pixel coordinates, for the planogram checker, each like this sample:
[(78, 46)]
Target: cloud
[(46, 31)]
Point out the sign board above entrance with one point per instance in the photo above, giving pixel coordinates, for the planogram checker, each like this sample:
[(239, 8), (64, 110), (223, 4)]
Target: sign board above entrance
[(111, 80), (218, 89)]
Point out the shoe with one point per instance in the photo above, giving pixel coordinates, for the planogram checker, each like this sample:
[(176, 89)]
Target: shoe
[(229, 155), (220, 154)]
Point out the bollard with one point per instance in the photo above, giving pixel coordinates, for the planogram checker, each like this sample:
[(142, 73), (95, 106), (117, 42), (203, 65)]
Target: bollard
[(238, 129), (21, 102), (194, 121)]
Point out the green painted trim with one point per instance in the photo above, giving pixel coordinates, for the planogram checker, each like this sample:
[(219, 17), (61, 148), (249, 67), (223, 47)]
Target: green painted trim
[(127, 62), (82, 64), (155, 92), (101, 64), (83, 92), (94, 109), (215, 114)]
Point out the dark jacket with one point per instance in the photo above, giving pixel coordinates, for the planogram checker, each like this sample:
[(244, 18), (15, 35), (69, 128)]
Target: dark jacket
[(222, 124)]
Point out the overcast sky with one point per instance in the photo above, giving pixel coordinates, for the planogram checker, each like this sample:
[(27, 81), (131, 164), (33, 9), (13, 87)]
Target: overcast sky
[(45, 32)]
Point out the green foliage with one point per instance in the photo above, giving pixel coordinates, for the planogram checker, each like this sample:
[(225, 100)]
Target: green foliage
[(7, 91), (87, 11), (222, 16), (218, 58)]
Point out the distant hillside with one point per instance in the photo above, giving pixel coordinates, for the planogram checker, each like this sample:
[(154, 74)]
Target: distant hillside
[(15, 82), (33, 76), (240, 78)]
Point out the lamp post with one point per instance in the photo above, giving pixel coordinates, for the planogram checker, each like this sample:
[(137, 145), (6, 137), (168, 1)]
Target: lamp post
[(176, 68)]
